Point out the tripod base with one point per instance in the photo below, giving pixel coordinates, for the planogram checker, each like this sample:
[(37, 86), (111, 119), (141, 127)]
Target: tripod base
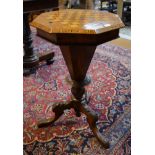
[(79, 107)]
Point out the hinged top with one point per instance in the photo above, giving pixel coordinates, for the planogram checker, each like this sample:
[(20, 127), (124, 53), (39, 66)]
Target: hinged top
[(77, 21)]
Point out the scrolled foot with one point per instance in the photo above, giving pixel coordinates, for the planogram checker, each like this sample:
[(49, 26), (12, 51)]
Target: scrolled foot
[(100, 138), (58, 109), (45, 123)]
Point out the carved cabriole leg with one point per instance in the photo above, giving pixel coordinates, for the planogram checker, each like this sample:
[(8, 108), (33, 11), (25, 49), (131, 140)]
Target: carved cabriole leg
[(58, 109), (92, 118)]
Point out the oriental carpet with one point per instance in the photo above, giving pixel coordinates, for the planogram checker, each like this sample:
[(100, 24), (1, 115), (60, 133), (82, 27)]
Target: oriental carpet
[(110, 97)]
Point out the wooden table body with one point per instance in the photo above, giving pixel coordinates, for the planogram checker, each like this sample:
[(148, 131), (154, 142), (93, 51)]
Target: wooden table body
[(78, 37), (30, 59)]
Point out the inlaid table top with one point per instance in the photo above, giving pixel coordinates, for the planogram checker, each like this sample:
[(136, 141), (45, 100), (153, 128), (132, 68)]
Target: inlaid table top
[(77, 21)]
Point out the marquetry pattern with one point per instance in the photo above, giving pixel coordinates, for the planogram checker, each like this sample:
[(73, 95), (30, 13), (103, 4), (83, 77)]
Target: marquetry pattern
[(77, 21)]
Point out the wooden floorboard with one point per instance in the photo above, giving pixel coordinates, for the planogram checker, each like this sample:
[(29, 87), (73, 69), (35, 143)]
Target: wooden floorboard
[(122, 42)]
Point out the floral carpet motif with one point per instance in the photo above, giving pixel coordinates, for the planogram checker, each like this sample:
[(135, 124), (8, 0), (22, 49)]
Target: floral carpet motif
[(109, 93)]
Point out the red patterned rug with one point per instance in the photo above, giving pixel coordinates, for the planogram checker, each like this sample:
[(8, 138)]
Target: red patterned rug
[(109, 96)]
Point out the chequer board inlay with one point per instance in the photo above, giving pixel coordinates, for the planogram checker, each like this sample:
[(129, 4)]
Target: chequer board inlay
[(77, 21)]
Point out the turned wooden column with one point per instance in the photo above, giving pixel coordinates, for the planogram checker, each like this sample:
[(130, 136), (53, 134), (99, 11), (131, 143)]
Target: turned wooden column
[(29, 59)]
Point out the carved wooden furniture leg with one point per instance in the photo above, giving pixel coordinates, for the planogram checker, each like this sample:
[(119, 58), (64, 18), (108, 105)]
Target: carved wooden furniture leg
[(58, 109), (30, 60), (92, 118)]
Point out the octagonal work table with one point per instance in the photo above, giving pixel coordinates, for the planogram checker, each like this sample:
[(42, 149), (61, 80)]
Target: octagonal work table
[(78, 32)]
